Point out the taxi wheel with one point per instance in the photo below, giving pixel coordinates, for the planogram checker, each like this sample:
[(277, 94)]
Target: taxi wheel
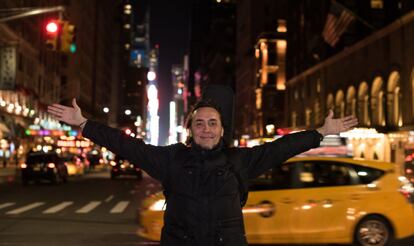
[(373, 231)]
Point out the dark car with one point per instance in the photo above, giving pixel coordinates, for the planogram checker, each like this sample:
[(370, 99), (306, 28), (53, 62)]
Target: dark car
[(120, 166), (94, 158), (41, 166)]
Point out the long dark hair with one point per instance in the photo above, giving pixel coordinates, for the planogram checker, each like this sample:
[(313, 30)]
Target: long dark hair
[(200, 104)]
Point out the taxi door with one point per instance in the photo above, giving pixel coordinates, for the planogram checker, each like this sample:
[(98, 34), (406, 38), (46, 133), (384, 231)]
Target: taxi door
[(268, 211), (321, 209)]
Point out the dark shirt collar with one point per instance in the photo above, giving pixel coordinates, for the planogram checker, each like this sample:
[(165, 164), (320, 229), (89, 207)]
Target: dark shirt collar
[(206, 153)]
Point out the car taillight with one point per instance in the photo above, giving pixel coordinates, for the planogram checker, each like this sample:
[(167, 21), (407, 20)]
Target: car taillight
[(51, 165), (406, 189), (23, 165)]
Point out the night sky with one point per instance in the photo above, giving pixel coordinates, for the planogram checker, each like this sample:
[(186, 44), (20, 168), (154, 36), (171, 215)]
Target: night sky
[(169, 28)]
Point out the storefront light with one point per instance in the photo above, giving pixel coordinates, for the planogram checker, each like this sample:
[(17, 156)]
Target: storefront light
[(362, 133), (10, 107), (18, 109), (26, 111)]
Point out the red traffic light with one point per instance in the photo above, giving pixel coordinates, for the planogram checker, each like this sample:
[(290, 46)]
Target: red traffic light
[(52, 27)]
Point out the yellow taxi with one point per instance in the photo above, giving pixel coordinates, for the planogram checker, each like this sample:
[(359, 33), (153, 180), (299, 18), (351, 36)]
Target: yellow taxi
[(317, 200), (74, 164)]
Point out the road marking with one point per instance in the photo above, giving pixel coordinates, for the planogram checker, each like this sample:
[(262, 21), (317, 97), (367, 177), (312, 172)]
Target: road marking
[(57, 208), (119, 207), (25, 208), (7, 204), (88, 207), (109, 198)]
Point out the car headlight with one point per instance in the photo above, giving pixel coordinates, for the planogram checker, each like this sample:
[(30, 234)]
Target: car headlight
[(158, 205)]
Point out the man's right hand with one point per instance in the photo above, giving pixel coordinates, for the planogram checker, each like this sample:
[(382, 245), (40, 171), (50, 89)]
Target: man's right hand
[(69, 115)]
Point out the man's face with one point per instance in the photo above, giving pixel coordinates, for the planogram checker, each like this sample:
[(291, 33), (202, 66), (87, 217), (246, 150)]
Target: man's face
[(206, 127)]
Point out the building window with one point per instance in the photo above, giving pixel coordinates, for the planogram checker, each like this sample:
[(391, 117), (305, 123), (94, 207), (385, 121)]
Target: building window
[(363, 109), (377, 102), (393, 100), (308, 116), (350, 108), (330, 102), (377, 4), (339, 104), (318, 112), (318, 86), (294, 118)]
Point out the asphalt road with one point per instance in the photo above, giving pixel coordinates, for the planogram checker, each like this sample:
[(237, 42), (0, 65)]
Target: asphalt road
[(88, 210)]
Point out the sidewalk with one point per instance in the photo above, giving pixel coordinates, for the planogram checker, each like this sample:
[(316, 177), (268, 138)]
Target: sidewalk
[(8, 174)]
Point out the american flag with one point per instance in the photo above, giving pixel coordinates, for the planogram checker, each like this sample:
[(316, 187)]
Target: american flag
[(336, 24)]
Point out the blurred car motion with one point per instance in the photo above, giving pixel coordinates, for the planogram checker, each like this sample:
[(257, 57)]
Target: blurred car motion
[(317, 200), (121, 167), (74, 164), (41, 166), (95, 159)]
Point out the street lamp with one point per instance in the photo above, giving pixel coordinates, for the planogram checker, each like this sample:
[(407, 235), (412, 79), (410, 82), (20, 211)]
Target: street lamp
[(151, 76)]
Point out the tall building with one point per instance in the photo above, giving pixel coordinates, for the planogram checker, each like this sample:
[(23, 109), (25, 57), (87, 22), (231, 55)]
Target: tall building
[(212, 50), (262, 33), (34, 76), (367, 73), (177, 106), (132, 107)]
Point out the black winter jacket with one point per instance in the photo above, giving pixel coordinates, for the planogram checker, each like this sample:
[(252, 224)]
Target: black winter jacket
[(203, 198)]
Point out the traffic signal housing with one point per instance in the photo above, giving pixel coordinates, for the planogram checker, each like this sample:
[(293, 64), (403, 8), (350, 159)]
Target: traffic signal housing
[(67, 37), (53, 29)]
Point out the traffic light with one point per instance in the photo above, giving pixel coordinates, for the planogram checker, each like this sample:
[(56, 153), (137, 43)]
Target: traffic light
[(67, 37), (52, 34)]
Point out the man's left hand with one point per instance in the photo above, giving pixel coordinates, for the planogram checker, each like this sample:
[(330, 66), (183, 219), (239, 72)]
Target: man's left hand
[(336, 126)]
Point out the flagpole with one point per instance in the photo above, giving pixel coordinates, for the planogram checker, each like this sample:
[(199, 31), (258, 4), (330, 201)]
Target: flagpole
[(355, 15)]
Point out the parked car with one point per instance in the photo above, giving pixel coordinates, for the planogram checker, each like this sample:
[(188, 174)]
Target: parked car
[(313, 200), (74, 164), (41, 166), (121, 167)]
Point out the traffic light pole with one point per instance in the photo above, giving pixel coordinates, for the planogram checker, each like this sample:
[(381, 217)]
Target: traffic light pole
[(33, 11)]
